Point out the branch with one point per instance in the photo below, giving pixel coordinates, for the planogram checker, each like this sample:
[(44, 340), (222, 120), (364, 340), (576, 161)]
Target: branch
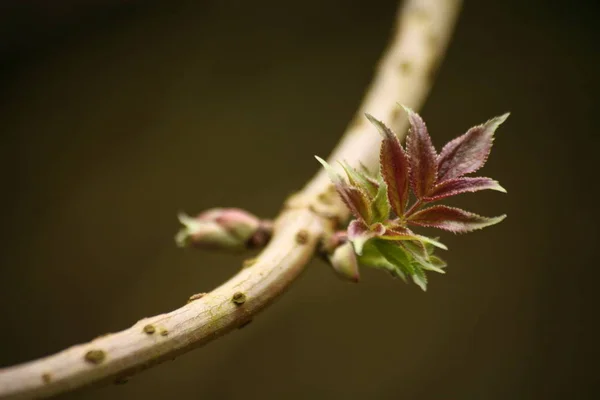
[(404, 75)]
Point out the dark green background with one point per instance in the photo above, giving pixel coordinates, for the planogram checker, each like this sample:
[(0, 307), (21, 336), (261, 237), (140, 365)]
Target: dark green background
[(115, 115)]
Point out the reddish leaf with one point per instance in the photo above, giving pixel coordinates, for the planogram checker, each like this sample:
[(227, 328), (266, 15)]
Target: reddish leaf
[(451, 219), (394, 166), (455, 186), (355, 199), (468, 153), (359, 233), (421, 156)]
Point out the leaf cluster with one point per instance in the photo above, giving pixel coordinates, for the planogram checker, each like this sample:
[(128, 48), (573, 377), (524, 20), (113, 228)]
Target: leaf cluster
[(381, 232)]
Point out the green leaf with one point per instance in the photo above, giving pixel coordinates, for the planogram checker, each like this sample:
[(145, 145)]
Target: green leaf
[(380, 207), (416, 249), (395, 235), (360, 180), (430, 247), (419, 277), (396, 255), (420, 256), (372, 257), (437, 262)]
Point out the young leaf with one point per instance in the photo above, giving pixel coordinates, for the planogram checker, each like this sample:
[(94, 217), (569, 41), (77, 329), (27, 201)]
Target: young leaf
[(372, 258), (419, 277), (418, 252), (437, 262), (421, 156), (396, 255), (393, 165), (416, 249), (355, 199), (365, 171), (455, 186), (429, 247), (400, 234), (360, 180), (451, 219), (468, 153), (380, 208), (359, 234)]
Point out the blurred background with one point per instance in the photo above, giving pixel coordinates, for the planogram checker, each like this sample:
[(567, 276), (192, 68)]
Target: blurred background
[(114, 115)]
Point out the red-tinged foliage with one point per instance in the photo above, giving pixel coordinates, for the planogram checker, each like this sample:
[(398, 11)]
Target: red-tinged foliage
[(451, 219), (353, 197), (469, 152), (421, 155), (358, 202), (387, 242), (393, 167), (455, 186)]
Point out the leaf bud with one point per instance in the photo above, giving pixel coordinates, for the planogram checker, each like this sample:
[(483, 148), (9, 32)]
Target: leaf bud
[(229, 229), (344, 262)]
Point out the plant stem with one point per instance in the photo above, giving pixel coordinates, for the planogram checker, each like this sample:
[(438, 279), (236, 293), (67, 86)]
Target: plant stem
[(404, 75)]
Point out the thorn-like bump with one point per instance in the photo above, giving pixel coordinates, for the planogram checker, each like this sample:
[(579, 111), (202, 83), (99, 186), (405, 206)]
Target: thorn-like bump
[(164, 332), (149, 329), (302, 237), (95, 356), (238, 298), (249, 262), (46, 378), (195, 297)]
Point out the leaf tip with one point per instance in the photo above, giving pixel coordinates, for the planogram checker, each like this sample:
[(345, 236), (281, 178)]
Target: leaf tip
[(504, 117), (497, 121), (498, 219), (333, 176), (492, 221), (499, 188), (381, 127), (406, 108)]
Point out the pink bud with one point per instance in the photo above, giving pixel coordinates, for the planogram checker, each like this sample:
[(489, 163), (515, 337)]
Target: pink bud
[(220, 228), (239, 223), (344, 262)]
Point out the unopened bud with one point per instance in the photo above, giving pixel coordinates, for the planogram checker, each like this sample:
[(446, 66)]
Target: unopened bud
[(344, 262), (228, 229)]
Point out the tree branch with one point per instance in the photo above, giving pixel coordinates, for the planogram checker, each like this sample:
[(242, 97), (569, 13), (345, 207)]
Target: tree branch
[(404, 75)]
